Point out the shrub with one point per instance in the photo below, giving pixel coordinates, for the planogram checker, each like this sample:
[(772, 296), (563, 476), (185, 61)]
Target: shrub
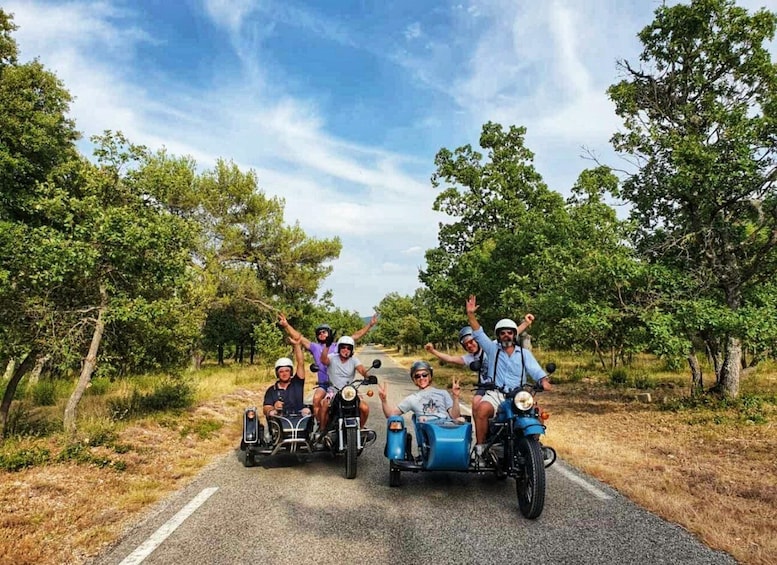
[(168, 395), (619, 377), (44, 393), (23, 458)]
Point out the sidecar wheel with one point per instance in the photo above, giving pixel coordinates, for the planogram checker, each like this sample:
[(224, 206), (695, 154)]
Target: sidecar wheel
[(249, 460), (530, 482), (351, 453), (394, 475)]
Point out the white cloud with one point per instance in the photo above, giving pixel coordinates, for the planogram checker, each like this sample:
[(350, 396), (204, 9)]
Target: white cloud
[(413, 31)]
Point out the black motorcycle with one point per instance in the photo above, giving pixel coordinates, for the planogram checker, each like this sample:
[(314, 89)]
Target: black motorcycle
[(343, 433)]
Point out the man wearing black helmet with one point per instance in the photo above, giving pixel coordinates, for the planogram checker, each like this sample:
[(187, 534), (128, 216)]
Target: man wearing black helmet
[(428, 401), (509, 365), (324, 339)]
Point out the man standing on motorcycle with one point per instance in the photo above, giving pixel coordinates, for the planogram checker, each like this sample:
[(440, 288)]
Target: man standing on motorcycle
[(474, 354), (509, 363), (342, 371), (287, 394), (428, 401), (324, 339)]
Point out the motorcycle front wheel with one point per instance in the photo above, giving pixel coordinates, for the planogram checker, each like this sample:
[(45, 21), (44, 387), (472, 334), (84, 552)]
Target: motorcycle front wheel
[(530, 482), (350, 452)]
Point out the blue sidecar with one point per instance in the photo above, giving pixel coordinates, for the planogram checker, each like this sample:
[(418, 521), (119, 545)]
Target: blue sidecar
[(443, 445)]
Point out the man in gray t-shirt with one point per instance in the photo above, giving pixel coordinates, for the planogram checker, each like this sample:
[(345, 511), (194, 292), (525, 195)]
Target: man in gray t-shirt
[(342, 371), (428, 401)]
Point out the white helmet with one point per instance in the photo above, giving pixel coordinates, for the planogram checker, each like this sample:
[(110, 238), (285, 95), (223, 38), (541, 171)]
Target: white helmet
[(347, 341), (505, 324), (283, 362)]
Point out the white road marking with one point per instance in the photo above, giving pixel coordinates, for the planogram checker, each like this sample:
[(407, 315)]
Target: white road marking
[(156, 539), (601, 495)]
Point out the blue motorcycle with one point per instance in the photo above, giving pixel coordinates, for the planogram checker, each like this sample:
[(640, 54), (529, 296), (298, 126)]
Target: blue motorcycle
[(513, 447)]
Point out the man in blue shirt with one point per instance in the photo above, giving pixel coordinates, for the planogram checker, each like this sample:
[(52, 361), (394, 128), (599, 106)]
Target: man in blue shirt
[(509, 365)]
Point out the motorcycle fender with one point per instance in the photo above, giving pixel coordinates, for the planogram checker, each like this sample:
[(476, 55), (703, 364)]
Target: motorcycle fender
[(529, 426), (351, 423), (395, 438), (251, 427)]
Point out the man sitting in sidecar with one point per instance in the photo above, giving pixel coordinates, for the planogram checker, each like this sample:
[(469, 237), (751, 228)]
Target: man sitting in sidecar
[(289, 420), (443, 438)]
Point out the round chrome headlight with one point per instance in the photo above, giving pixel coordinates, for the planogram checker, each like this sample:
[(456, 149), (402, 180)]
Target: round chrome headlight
[(348, 393), (523, 400)]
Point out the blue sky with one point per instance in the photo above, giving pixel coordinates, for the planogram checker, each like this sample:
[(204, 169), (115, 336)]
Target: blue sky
[(340, 106)]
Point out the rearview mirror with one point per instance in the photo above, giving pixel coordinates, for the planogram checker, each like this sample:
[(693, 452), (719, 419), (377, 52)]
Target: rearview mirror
[(376, 363), (475, 365), (550, 368), (313, 368)]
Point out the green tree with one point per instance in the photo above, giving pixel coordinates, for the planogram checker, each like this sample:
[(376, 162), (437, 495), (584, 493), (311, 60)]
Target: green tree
[(699, 118)]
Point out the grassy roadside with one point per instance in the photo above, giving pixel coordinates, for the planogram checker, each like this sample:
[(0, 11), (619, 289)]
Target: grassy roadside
[(709, 469)]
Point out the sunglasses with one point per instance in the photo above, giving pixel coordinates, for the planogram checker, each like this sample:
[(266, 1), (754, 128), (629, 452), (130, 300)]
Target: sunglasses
[(421, 376), (323, 331), (503, 332)]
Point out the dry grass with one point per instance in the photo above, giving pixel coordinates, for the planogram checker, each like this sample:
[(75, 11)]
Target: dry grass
[(712, 472), (691, 467)]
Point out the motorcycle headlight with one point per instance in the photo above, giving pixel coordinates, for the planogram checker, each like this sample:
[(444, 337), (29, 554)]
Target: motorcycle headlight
[(349, 393), (523, 400)]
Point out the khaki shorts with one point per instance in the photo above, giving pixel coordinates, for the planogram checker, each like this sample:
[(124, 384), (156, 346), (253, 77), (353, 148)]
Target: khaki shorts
[(494, 398)]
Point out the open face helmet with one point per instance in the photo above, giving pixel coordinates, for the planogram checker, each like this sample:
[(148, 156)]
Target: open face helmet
[(345, 342), (323, 328), (506, 324), (467, 340), (421, 367), (284, 362)]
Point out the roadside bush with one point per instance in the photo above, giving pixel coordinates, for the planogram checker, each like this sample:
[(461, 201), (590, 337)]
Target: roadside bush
[(22, 421), (44, 393), (21, 459), (644, 381), (175, 394), (619, 377)]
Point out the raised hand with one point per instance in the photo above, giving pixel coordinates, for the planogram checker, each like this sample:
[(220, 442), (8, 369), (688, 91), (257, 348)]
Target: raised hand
[(472, 304), (429, 347), (455, 387), (529, 318), (382, 390)]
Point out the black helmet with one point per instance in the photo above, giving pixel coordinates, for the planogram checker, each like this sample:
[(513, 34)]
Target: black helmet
[(417, 366), (325, 327)]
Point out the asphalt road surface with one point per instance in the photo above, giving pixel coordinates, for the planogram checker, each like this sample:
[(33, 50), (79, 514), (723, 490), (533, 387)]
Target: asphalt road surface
[(292, 509)]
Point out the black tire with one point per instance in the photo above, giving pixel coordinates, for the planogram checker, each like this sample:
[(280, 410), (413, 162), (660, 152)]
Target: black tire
[(408, 447), (351, 453), (530, 482), (394, 475), (249, 460)]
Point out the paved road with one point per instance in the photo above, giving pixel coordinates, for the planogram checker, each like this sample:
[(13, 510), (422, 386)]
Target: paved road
[(304, 511)]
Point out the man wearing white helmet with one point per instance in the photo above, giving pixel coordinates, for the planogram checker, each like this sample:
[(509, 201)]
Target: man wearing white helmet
[(288, 391), (509, 365), (342, 371)]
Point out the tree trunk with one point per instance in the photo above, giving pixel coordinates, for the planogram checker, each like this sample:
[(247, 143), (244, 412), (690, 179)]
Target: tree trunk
[(10, 367), (728, 379), (697, 379), (221, 354), (10, 389), (197, 358), (39, 364), (90, 363)]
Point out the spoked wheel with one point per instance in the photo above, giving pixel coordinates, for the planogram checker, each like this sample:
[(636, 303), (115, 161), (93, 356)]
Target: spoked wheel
[(394, 475), (530, 482), (350, 453)]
